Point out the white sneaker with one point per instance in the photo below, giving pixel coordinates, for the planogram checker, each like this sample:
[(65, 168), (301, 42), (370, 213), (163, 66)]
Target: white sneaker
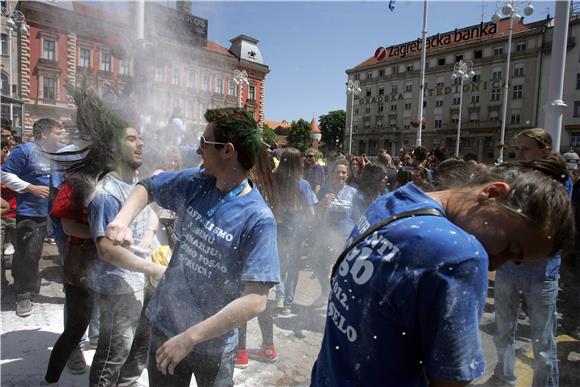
[(9, 249)]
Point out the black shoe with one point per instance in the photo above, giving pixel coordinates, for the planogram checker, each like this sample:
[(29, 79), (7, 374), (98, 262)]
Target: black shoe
[(23, 305)]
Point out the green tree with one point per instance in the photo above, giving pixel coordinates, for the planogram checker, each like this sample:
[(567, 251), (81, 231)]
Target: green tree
[(299, 135), (268, 135), (332, 128)]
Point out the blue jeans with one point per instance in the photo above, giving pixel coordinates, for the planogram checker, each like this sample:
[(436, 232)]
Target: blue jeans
[(209, 371), (121, 354), (289, 270), (540, 297)]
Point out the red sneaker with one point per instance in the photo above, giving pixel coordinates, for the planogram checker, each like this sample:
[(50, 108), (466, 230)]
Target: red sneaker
[(241, 359), (264, 353)]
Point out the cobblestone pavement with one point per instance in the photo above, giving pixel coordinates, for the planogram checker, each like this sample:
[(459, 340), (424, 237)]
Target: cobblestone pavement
[(26, 342)]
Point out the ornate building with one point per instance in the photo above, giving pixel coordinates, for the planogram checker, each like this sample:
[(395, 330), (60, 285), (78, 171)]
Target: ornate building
[(384, 110), (174, 69)]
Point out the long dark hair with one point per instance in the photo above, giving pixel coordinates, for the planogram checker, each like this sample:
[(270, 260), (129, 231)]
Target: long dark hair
[(372, 182), (288, 177)]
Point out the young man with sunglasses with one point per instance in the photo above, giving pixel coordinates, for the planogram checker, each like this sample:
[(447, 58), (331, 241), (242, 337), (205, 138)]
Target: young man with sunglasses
[(313, 172), (224, 262)]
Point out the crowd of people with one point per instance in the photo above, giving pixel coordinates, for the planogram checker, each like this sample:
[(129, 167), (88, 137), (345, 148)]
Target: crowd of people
[(164, 264)]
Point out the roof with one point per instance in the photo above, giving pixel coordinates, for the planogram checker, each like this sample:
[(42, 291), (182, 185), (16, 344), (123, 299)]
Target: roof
[(275, 124), (502, 29), (314, 126), (213, 46)]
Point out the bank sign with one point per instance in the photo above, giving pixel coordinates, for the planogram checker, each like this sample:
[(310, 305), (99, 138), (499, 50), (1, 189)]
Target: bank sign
[(437, 41)]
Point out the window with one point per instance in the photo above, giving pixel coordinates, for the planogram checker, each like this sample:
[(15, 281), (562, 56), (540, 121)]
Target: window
[(49, 89), (476, 78), (440, 84), (456, 100), (494, 116), (252, 93), (85, 57), (379, 124), (159, 74), (394, 70), (394, 107), (458, 58), (575, 139), (219, 86), (5, 84), (457, 81), (357, 77), (410, 67), (515, 119), (231, 88), (474, 117), (521, 46), (496, 75), (125, 68), (48, 49), (105, 61), (381, 91), (441, 61), (4, 44), (576, 112), (409, 87), (356, 111), (518, 91), (205, 83), (475, 98), (498, 51), (437, 124), (439, 103), (191, 79), (369, 75), (394, 88), (477, 54), (455, 118), (424, 104), (175, 76), (519, 70), (406, 126), (381, 73), (367, 110), (577, 81), (368, 92), (381, 108), (494, 96), (367, 125), (407, 105)]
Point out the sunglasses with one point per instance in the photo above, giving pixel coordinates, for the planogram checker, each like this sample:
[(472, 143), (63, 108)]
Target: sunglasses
[(203, 142)]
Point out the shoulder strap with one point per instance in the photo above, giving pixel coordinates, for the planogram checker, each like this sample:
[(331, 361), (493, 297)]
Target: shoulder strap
[(377, 226)]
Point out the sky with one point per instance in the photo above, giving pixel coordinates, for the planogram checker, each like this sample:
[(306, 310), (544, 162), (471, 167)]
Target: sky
[(308, 46)]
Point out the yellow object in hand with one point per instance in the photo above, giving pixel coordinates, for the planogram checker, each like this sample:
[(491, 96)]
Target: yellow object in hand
[(161, 255)]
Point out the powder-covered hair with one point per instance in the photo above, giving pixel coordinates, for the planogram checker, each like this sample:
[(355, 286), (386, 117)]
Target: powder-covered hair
[(236, 126)]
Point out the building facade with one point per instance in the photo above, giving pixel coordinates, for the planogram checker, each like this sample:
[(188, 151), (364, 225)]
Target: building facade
[(173, 70), (385, 112)]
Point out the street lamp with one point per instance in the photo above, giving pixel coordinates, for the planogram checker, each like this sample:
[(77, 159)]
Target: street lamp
[(510, 10), (462, 70), (240, 78), (352, 88), (15, 20)]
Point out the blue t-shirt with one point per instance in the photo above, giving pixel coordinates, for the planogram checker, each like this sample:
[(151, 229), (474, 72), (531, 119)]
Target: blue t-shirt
[(213, 257), (105, 278), (405, 302), (292, 221), (28, 162), (338, 218)]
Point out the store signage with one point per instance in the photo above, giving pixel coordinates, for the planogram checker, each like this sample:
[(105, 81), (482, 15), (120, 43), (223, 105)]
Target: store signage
[(437, 41), (467, 88)]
